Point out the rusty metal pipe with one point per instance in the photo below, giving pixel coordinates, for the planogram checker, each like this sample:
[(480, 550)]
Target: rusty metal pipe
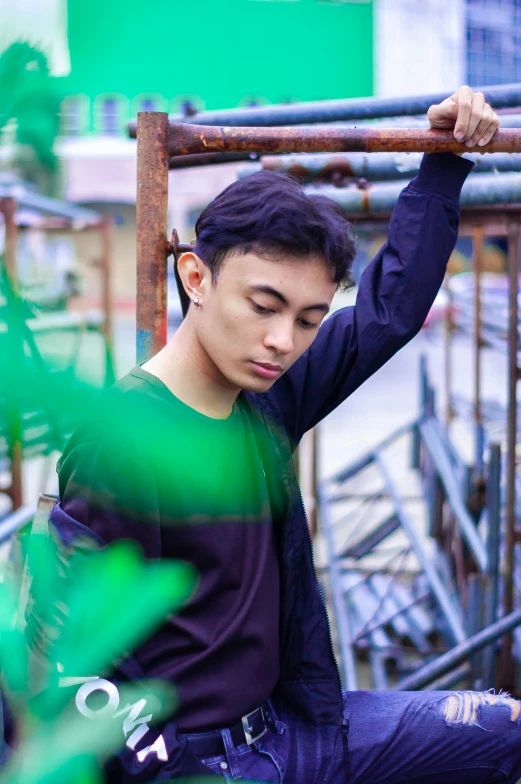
[(151, 226), (196, 139), (499, 96), (380, 166), (484, 190), (210, 158)]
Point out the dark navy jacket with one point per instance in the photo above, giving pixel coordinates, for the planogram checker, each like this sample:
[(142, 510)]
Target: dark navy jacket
[(395, 294)]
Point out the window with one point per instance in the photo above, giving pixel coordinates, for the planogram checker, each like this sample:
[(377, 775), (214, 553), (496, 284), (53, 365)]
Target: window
[(148, 102), (493, 41), (187, 105), (74, 115), (111, 114)]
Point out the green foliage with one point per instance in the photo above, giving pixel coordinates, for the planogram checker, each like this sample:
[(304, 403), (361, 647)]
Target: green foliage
[(28, 96), (90, 607)]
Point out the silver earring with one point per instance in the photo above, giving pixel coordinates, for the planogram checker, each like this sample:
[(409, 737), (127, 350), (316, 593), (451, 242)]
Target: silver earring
[(196, 302)]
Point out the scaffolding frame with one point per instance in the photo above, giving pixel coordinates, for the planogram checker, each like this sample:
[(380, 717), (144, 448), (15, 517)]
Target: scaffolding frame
[(103, 224)]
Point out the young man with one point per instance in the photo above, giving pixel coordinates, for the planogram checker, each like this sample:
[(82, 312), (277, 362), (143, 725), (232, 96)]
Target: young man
[(192, 459)]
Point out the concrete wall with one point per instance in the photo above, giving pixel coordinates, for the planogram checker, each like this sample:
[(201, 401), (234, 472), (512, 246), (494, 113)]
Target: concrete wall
[(419, 46)]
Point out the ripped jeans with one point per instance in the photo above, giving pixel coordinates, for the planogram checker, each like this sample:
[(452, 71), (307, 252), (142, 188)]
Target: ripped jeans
[(394, 737)]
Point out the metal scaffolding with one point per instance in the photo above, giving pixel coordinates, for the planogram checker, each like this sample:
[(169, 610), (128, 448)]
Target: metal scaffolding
[(21, 209)]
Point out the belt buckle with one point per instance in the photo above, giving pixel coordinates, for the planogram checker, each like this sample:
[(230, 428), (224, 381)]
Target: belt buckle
[(248, 730)]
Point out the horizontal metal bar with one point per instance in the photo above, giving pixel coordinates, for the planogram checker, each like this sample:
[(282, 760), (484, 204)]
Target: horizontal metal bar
[(461, 652), (369, 457), (210, 158), (9, 525), (500, 96), (195, 139), (30, 200), (397, 617), (372, 539), (483, 190), (449, 680), (379, 166), (382, 172)]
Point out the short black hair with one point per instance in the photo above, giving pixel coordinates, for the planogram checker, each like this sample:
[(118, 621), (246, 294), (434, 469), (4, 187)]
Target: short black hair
[(269, 213)]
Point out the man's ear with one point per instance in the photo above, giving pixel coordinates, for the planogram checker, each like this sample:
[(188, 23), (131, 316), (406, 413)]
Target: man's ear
[(193, 273)]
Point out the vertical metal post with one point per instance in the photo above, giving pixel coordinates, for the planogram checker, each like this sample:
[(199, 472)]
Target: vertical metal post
[(477, 253), (151, 226), (106, 289), (476, 586), (514, 246), (448, 324), (416, 452), (8, 208), (493, 554)]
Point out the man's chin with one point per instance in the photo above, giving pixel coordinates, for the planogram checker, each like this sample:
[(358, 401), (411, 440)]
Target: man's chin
[(257, 383)]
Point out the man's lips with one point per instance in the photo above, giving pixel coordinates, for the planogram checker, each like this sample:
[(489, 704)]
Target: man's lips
[(267, 370)]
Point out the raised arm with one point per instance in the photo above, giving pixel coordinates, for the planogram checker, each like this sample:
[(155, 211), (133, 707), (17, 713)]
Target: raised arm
[(396, 292)]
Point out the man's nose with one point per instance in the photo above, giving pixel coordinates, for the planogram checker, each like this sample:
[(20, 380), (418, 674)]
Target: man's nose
[(280, 339)]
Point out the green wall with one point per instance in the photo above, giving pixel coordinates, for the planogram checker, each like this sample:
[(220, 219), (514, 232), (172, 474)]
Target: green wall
[(220, 50)]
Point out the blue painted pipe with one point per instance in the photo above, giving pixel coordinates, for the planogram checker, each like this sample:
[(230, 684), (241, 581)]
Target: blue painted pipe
[(460, 653), (501, 96)]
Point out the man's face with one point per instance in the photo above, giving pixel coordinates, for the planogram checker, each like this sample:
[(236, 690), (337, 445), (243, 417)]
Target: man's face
[(261, 315)]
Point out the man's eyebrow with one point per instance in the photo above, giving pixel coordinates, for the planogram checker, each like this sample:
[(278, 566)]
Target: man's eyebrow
[(323, 306)]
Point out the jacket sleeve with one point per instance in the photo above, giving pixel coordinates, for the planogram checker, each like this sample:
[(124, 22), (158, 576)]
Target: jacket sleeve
[(395, 294), (115, 497)]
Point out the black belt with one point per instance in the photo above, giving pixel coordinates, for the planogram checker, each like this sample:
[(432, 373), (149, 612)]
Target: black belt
[(249, 729)]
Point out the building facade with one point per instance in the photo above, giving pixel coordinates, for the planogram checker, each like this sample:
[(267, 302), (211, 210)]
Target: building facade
[(130, 55)]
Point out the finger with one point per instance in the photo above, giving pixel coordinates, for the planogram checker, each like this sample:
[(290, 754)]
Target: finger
[(489, 133), (463, 98), (476, 115), (483, 124)]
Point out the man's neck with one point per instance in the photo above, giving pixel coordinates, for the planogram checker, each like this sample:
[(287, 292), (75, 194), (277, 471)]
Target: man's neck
[(188, 372)]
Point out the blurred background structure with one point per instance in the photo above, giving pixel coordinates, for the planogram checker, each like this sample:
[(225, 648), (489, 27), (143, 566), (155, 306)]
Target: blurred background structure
[(72, 76), (109, 62)]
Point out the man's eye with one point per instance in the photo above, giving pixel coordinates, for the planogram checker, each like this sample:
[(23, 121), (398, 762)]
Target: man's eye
[(260, 309)]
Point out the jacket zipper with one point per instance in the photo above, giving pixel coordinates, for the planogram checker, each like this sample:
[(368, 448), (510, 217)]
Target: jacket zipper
[(321, 594)]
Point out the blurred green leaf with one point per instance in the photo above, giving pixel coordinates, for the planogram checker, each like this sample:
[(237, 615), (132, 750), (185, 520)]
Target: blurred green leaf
[(13, 648), (120, 599), (28, 96), (88, 607), (60, 750)]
